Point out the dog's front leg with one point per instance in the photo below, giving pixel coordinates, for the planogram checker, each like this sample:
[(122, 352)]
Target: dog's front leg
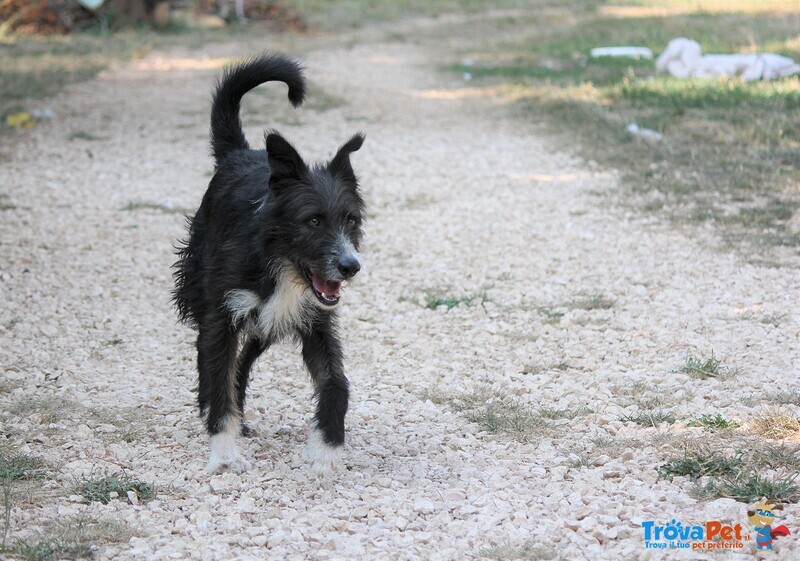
[(217, 345), (322, 353)]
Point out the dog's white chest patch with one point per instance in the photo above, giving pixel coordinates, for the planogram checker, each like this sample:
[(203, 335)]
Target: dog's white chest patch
[(287, 310)]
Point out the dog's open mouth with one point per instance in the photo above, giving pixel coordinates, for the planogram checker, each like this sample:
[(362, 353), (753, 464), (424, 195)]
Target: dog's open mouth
[(327, 291)]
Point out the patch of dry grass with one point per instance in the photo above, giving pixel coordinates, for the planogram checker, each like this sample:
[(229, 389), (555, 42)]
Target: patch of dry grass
[(776, 425), (499, 413)]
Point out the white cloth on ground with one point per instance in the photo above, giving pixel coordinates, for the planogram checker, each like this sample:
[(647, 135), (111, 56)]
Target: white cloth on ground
[(683, 58)]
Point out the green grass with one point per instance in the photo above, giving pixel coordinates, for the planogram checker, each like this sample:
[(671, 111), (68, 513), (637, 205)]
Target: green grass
[(591, 302), (342, 14), (563, 414), (83, 135), (20, 467), (49, 409), (527, 552), (495, 412), (651, 418), (69, 539), (750, 488), (703, 369), (434, 300), (561, 366), (508, 417), (767, 455), (552, 315), (714, 422), (697, 465), (39, 67), (15, 468), (50, 549), (742, 468), (785, 397), (731, 150), (159, 207), (35, 67), (100, 489)]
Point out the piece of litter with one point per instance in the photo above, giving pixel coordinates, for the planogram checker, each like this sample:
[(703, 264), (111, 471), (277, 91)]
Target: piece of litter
[(627, 52), (645, 134), (683, 58), (40, 114), (467, 76), (22, 120)]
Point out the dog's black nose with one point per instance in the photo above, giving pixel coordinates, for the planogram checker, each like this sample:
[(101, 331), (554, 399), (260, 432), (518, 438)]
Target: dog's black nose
[(349, 266)]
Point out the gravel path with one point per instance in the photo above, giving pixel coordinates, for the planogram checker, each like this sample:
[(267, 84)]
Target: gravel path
[(464, 202)]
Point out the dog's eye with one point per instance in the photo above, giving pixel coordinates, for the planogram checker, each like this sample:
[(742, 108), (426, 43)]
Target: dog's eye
[(351, 222), (313, 221)]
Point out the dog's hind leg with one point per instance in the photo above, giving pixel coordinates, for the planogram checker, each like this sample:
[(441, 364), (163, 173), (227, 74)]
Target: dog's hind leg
[(322, 354), (217, 346), (251, 350)]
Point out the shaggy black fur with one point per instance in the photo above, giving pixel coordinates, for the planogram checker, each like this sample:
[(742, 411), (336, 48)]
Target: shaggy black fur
[(266, 255)]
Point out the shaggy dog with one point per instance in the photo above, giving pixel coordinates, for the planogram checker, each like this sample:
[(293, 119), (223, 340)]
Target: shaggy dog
[(267, 254)]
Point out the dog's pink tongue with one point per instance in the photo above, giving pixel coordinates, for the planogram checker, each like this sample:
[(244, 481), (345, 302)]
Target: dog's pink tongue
[(328, 288)]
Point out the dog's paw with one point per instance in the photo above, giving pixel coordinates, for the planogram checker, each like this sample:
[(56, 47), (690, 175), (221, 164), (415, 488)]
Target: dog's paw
[(236, 464), (225, 456), (324, 457)]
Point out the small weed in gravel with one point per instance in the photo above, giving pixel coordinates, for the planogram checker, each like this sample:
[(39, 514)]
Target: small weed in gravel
[(83, 135), (697, 465), (508, 417), (50, 549), (641, 395), (714, 422), (750, 488), (100, 490), (562, 366), (597, 301), (131, 434), (770, 456), (20, 467), (13, 469), (71, 539), (433, 301), (649, 418), (50, 409), (494, 412), (144, 205), (704, 369), (784, 398), (552, 315), (569, 414), (528, 552)]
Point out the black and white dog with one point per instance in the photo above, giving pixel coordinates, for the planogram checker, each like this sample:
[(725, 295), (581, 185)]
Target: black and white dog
[(268, 250)]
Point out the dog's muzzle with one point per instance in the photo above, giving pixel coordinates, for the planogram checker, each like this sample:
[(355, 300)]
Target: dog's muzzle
[(348, 266)]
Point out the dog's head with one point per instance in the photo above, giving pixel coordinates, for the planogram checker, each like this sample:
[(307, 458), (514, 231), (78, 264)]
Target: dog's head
[(317, 215)]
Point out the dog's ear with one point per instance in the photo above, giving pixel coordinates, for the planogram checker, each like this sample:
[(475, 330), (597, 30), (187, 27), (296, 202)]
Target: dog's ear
[(284, 161), (340, 164)]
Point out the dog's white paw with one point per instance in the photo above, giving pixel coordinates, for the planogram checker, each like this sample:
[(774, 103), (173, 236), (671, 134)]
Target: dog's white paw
[(225, 455), (236, 464), (324, 457)]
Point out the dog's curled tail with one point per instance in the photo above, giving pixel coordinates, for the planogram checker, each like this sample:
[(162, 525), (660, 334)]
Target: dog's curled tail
[(226, 126)]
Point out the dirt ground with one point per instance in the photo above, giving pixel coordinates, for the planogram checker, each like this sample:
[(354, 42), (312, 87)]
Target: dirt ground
[(575, 304)]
